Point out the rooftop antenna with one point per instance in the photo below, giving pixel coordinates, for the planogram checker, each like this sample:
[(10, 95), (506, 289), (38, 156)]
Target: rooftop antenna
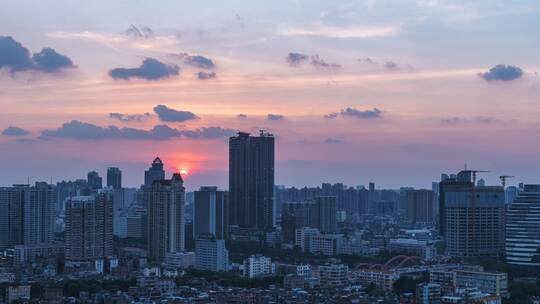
[(473, 172)]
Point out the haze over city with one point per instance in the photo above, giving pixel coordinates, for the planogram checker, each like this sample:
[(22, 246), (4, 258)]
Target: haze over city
[(354, 91)]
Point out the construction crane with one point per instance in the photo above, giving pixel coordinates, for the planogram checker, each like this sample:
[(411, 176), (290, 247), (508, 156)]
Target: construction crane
[(474, 173), (503, 179)]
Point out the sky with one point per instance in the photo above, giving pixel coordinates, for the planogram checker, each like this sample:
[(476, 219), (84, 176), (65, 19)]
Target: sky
[(396, 92)]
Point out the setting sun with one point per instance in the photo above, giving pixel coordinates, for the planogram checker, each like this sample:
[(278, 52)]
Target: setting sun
[(184, 172)]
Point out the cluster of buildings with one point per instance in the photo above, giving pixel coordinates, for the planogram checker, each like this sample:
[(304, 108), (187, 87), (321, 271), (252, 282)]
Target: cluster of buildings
[(81, 228)]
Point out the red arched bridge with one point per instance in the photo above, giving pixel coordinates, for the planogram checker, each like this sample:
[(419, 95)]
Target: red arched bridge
[(395, 262)]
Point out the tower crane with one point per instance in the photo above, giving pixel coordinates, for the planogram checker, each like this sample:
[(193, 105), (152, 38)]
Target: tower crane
[(503, 179)]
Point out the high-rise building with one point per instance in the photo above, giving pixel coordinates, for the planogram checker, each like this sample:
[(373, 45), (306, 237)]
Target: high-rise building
[(114, 178), (67, 189), (211, 254), (327, 212), (471, 217), (39, 214), (210, 213), (371, 199), (94, 180), (420, 208), (523, 228), (89, 227), (27, 215), (447, 184), (166, 217), (511, 192), (155, 172), (251, 180)]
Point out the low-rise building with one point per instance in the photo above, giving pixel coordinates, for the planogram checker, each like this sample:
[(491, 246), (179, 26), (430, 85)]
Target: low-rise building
[(211, 254), (428, 293), (180, 260), (21, 292), (495, 283), (302, 237), (24, 254), (334, 275), (325, 244), (381, 278), (423, 249), (256, 266)]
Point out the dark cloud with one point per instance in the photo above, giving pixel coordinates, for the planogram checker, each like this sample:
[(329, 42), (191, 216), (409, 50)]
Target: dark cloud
[(16, 58), (171, 115), (85, 131), (479, 119), (275, 117), (196, 60), (14, 131), (295, 59), (331, 115), (13, 55), (503, 73), (202, 75), (139, 32), (150, 69), (320, 63), (48, 60), (241, 116), (390, 65), (129, 117), (352, 112), (367, 60), (333, 141)]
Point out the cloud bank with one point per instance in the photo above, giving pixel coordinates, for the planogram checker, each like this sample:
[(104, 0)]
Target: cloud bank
[(86, 131)]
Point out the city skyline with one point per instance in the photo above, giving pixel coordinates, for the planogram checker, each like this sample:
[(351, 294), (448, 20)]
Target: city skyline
[(355, 91)]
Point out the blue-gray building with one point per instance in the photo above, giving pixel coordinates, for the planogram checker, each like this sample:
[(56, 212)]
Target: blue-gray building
[(523, 228), (210, 213), (211, 254)]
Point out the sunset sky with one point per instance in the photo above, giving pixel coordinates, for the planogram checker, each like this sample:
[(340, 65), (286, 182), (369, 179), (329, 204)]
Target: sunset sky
[(396, 92)]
